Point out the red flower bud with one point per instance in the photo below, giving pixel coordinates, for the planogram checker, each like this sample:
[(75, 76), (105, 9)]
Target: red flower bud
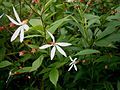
[(21, 53), (1, 28), (81, 0), (35, 1), (12, 24)]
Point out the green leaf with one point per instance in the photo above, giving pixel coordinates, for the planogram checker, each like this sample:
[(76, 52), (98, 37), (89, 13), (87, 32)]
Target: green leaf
[(5, 64), (48, 4), (25, 57), (35, 22), (37, 63), (24, 69), (113, 17), (108, 86), (57, 64), (32, 46), (56, 24), (90, 16), (2, 53), (87, 51), (45, 70), (107, 41), (54, 74), (92, 19), (118, 85), (31, 36), (111, 27)]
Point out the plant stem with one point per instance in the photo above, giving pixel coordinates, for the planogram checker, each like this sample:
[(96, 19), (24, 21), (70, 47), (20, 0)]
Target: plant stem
[(40, 14)]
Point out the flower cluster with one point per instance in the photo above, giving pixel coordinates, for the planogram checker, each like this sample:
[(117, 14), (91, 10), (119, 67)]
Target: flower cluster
[(55, 45)]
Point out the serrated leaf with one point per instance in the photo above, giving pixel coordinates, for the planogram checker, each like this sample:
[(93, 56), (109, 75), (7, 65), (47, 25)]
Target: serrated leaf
[(54, 74), (37, 63), (5, 64), (87, 51)]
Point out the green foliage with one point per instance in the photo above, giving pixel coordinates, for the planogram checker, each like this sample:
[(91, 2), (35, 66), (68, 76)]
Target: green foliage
[(91, 26), (54, 74), (5, 64)]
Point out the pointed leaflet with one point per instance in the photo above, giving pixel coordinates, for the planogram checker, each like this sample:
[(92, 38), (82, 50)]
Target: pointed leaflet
[(52, 54), (87, 51), (16, 15), (63, 44), (12, 20), (4, 64), (61, 50), (56, 24), (22, 34), (54, 75), (37, 63), (14, 36), (45, 46), (24, 70)]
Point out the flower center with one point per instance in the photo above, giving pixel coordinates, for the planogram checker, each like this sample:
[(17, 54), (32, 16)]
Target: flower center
[(25, 21), (52, 43)]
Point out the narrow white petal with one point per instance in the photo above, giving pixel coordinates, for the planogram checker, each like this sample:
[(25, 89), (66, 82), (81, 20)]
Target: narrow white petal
[(12, 20), (22, 35), (52, 54), (61, 50), (71, 63), (70, 58), (16, 15), (70, 68), (1, 15), (75, 67), (14, 36), (26, 27), (53, 38), (75, 59), (64, 44), (45, 46)]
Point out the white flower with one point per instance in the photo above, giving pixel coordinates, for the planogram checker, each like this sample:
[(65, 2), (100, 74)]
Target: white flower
[(72, 64), (1, 15), (22, 26), (55, 46), (70, 0)]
